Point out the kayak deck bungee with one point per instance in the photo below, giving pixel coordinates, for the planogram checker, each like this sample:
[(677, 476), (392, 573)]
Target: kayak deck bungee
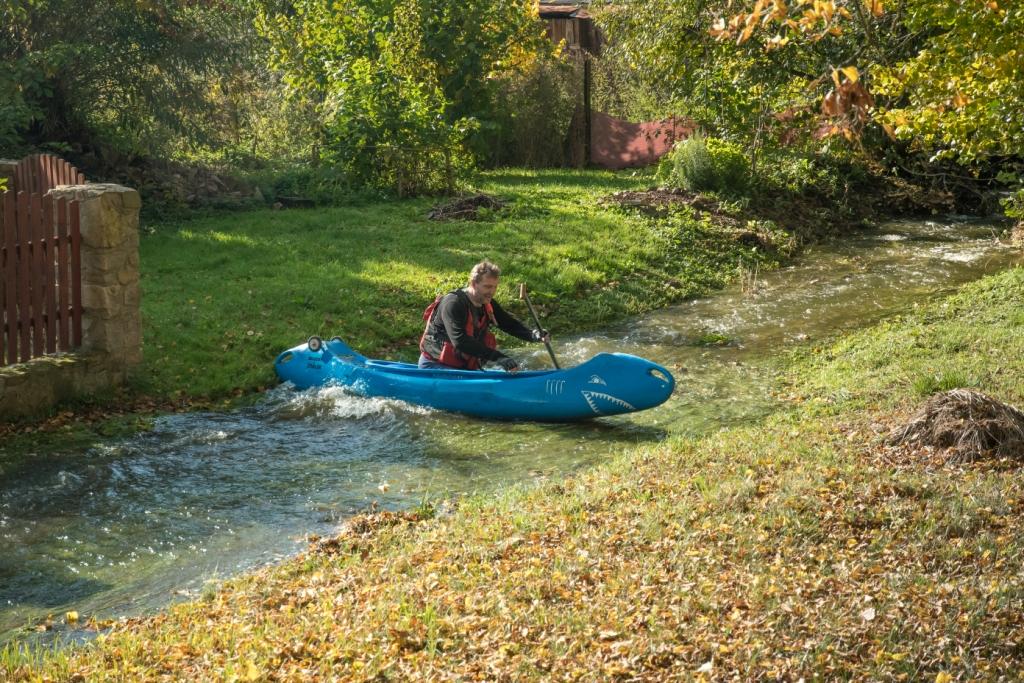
[(607, 384)]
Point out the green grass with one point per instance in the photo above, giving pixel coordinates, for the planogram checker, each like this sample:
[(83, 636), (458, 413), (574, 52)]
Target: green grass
[(969, 340), (796, 548), (223, 294)]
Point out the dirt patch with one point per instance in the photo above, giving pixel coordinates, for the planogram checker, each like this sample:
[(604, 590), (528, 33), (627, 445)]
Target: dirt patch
[(969, 424), (657, 201), (899, 196), (465, 208)]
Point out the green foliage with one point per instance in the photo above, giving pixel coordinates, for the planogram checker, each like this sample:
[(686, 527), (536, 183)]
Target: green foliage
[(369, 269), (943, 78), (324, 184), (1013, 206), (399, 87), (534, 109), (134, 76), (729, 89), (702, 164), (16, 110), (822, 176), (959, 96)]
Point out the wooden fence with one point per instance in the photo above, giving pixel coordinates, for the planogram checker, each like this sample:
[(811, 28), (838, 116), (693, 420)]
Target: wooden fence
[(40, 263)]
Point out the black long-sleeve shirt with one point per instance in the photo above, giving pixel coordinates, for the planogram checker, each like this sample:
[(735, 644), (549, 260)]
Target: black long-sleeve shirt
[(449, 323)]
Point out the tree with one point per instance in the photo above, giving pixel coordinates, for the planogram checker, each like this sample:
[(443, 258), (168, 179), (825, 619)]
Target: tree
[(947, 74), (399, 85), (682, 49), (961, 95), (132, 75)]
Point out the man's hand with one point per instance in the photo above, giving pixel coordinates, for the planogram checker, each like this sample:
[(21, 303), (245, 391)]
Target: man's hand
[(541, 336), (509, 364)]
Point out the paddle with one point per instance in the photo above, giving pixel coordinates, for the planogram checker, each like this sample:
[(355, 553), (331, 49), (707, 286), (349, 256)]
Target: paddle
[(536, 321)]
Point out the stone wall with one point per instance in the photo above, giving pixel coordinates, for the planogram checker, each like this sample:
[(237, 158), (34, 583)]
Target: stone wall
[(111, 319)]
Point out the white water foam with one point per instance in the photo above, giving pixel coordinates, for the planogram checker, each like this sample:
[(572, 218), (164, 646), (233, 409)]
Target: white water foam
[(345, 404)]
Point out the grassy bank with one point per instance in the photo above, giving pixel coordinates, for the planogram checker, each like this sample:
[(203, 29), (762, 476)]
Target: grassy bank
[(801, 547), (223, 295)]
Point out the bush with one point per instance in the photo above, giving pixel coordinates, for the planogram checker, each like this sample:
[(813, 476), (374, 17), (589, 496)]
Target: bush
[(800, 176), (702, 164), (534, 109), (825, 177), (1013, 206)]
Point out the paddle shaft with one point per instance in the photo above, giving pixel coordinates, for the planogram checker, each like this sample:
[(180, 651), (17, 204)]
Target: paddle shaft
[(536, 321)]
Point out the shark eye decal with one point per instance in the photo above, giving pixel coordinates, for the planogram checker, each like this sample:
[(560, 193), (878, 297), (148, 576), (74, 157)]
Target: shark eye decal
[(595, 379)]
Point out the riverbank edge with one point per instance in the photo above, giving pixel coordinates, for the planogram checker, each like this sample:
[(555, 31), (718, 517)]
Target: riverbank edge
[(230, 352), (733, 244), (802, 546)]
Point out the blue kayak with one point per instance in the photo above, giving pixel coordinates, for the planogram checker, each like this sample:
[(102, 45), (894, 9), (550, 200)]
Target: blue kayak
[(607, 384)]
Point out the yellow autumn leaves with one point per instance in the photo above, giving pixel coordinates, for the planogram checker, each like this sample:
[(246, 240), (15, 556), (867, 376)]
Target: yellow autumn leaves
[(813, 18)]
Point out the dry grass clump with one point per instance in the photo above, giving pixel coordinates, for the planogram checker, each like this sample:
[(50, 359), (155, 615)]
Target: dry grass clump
[(465, 208), (1017, 234), (970, 424)]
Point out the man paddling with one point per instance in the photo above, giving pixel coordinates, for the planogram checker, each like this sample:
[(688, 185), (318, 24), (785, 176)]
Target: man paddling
[(457, 334)]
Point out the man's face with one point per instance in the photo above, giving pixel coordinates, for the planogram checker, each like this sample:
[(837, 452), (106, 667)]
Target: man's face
[(486, 288)]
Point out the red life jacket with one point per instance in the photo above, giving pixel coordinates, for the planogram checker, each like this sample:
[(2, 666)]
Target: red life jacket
[(478, 329)]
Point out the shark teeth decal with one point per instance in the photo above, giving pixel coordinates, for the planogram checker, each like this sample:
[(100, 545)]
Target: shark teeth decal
[(591, 395)]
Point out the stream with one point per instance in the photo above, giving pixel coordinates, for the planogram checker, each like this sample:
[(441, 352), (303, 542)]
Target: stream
[(133, 524)]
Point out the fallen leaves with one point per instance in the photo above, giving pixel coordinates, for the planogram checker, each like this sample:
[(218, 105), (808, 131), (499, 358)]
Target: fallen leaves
[(801, 555)]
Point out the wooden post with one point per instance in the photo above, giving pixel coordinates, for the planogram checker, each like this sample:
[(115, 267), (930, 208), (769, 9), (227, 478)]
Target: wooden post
[(38, 279), (10, 278), (49, 275), (586, 108), (63, 263), (76, 275)]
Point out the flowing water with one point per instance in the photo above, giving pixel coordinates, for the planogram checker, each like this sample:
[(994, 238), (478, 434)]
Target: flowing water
[(133, 524)]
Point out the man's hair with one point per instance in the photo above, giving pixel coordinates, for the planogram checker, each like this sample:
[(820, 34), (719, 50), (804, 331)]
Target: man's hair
[(482, 270)]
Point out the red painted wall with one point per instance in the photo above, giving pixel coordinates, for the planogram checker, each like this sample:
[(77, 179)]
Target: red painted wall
[(616, 144)]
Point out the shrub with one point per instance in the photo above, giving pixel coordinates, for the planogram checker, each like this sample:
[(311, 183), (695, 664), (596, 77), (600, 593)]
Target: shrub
[(1013, 206), (732, 167), (702, 164), (534, 109)]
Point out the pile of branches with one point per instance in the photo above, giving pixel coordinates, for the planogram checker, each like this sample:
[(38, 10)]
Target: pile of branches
[(465, 208), (968, 423)]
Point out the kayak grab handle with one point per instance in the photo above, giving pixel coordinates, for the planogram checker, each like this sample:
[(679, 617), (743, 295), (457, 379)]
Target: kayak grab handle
[(658, 373)]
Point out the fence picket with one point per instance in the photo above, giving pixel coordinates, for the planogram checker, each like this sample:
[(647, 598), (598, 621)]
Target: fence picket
[(34, 174), (40, 262)]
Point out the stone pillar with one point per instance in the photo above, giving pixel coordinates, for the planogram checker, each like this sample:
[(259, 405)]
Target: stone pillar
[(111, 320)]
